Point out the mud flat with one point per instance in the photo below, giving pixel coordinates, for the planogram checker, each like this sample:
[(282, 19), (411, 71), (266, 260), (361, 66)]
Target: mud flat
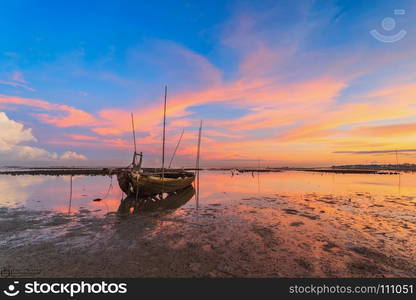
[(274, 235)]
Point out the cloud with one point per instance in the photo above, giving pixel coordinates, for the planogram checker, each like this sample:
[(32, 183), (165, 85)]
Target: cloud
[(172, 62), (60, 115), (390, 103), (17, 80), (13, 139), (392, 130), (13, 133), (302, 102), (70, 155), (17, 84), (18, 76)]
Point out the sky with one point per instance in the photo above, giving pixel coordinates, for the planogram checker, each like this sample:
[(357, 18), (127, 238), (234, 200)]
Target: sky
[(276, 83)]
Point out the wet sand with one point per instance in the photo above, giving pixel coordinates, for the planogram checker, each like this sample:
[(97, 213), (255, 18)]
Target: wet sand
[(265, 234)]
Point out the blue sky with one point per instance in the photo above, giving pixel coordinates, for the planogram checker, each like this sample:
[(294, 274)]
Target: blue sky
[(260, 73)]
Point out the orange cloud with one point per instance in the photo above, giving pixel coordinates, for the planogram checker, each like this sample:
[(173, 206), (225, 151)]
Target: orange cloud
[(387, 130), (382, 105)]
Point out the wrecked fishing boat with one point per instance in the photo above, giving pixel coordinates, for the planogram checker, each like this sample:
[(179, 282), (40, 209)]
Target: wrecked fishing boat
[(138, 183), (147, 184)]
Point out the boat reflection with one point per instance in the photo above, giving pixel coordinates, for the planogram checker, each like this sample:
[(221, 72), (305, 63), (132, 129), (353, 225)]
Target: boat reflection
[(173, 200)]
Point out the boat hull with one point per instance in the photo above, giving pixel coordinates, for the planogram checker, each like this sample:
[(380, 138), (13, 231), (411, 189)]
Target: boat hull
[(141, 184)]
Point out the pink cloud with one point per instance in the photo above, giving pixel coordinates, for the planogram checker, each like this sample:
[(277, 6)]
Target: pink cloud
[(18, 76), (59, 115), (17, 84)]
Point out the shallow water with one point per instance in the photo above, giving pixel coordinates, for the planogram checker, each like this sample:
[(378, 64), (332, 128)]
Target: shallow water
[(52, 193), (294, 224)]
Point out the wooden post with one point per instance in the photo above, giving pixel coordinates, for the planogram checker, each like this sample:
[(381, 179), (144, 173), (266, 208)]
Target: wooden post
[(197, 165), (258, 175), (70, 195), (176, 148), (397, 161)]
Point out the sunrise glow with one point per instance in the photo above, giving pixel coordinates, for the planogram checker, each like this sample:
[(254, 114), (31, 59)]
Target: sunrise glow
[(293, 84)]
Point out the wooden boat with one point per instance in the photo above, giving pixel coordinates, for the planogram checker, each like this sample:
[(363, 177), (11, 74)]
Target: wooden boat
[(136, 182), (141, 184)]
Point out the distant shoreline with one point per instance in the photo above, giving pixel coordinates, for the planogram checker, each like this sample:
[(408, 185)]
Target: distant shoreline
[(102, 171)]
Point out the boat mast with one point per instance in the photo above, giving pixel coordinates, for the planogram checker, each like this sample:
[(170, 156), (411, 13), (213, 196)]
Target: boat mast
[(176, 148), (164, 136), (134, 141)]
